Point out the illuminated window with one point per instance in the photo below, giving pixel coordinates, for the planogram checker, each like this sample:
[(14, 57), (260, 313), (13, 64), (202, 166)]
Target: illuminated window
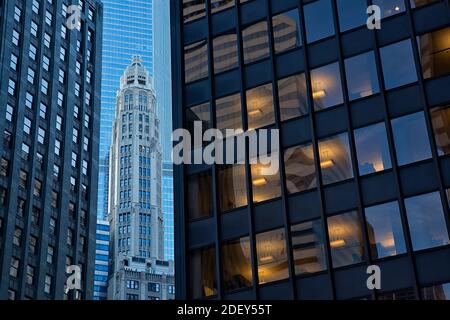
[(326, 86), (232, 187), (266, 183), (346, 241), (237, 265), (440, 118), (260, 110), (434, 50), (335, 159), (272, 256)]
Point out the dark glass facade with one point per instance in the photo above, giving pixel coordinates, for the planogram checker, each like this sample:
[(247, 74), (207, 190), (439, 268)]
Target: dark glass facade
[(49, 109), (364, 149)]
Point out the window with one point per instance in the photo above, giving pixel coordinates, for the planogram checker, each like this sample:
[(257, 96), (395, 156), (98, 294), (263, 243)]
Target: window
[(237, 265), (346, 241), (13, 62), (335, 159), (419, 3), (46, 63), (14, 268), (255, 42), (29, 279), (44, 86), (390, 7), (199, 113), (286, 31), (266, 184), (17, 237), (37, 191), (9, 112), (34, 29), (272, 256), (196, 61), (48, 284), (352, 14), (52, 226), (30, 75), (232, 187), (362, 79), (411, 139), (50, 252), (17, 14), (203, 281), (260, 110), (384, 228), (300, 168), (23, 177), (57, 147), (42, 110), (4, 167), (326, 86), (426, 221), (292, 97), (41, 135), (225, 52), (440, 118), (193, 10), (434, 49), (437, 292), (59, 122), (54, 199), (398, 64), (319, 20), (229, 113), (220, 5), (3, 194), (12, 87), (308, 247), (372, 149), (199, 195), (35, 216), (154, 287), (29, 100), (32, 245)]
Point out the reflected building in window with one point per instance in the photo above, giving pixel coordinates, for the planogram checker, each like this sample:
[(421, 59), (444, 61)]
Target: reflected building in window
[(363, 149)]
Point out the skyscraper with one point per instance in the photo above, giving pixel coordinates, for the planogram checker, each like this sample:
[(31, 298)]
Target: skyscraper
[(127, 31), (101, 272), (363, 118), (136, 219), (49, 104)]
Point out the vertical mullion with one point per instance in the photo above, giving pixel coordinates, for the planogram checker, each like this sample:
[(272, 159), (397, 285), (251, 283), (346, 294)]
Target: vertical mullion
[(356, 179), (395, 168), (284, 193), (315, 145), (250, 204)]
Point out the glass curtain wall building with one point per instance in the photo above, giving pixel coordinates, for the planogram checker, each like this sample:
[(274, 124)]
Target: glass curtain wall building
[(101, 260), (127, 31), (49, 109), (364, 150)]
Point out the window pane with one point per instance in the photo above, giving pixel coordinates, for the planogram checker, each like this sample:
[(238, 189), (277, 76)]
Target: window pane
[(385, 230), (362, 77), (260, 106), (398, 64), (426, 221), (220, 5), (346, 241), (198, 113), (232, 187), (372, 149), (411, 139), (203, 273), (390, 7), (196, 61), (266, 185), (434, 50), (308, 247), (319, 20), (352, 14), (256, 42), (272, 256), (441, 126), (326, 86), (286, 31), (229, 113), (335, 159), (199, 195), (292, 97), (237, 265), (225, 52), (300, 168), (437, 292), (193, 9), (419, 3)]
